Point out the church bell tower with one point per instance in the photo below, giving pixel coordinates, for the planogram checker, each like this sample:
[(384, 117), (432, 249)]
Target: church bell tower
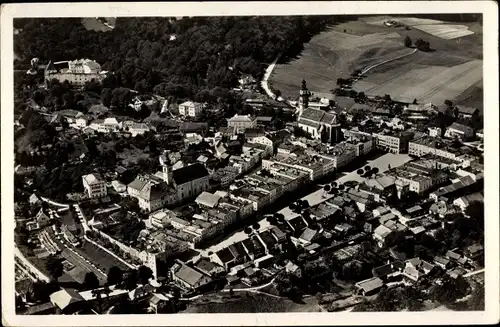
[(304, 96)]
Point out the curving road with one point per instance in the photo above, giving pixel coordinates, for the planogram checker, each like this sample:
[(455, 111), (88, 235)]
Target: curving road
[(30, 266), (472, 273), (367, 69), (269, 70)]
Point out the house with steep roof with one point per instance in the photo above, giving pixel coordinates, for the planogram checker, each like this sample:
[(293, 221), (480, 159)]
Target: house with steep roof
[(41, 220), (459, 131), (320, 125), (416, 268), (208, 268), (190, 181), (224, 257), (474, 251), (34, 199), (452, 191), (151, 192), (465, 201), (383, 235), (156, 300), (388, 270), (369, 286), (207, 200), (466, 112), (293, 269), (68, 300), (187, 277), (442, 262), (141, 292)]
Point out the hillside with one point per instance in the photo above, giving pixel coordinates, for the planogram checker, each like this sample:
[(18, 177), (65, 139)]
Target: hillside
[(206, 52), (454, 64)]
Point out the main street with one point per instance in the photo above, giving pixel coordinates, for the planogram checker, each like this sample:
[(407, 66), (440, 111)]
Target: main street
[(314, 198)]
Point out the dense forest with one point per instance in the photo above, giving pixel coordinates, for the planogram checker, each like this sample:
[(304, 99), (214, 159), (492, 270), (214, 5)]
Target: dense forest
[(168, 56)]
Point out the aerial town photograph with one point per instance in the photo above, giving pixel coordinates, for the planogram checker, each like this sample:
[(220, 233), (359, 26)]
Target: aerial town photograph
[(248, 164)]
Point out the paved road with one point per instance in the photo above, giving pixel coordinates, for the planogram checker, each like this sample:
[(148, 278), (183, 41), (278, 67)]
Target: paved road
[(70, 255), (267, 74), (472, 273), (30, 266), (316, 197)]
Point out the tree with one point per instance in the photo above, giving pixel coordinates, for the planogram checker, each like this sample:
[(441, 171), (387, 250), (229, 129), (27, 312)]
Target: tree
[(248, 230), (144, 274), (256, 226), (55, 267), (475, 212), (476, 301), (91, 281), (408, 42), (352, 270), (131, 280), (115, 276), (327, 187), (450, 290), (360, 171), (356, 72), (422, 45), (448, 103)]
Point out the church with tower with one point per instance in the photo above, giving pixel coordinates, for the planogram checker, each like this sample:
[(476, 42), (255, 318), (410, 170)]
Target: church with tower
[(317, 122)]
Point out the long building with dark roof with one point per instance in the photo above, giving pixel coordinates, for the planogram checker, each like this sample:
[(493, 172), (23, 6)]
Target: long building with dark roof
[(316, 122)]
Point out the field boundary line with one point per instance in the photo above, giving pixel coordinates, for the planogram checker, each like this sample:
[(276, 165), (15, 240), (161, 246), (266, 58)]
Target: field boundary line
[(366, 70), (441, 86)]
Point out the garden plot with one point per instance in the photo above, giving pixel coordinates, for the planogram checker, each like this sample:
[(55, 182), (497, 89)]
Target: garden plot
[(446, 31)]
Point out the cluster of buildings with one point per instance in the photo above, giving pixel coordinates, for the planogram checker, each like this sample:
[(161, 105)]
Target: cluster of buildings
[(76, 72), (246, 169)]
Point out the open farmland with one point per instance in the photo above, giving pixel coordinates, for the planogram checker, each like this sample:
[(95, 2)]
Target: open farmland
[(431, 26), (454, 66), (334, 54), (99, 25), (425, 83), (446, 31), (471, 97)]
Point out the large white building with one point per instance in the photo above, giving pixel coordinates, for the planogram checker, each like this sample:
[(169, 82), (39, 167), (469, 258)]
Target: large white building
[(190, 109), (241, 122), (76, 72), (169, 186), (94, 185)]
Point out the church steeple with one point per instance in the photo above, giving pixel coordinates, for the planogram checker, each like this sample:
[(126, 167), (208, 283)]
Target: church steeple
[(304, 96), (304, 85)]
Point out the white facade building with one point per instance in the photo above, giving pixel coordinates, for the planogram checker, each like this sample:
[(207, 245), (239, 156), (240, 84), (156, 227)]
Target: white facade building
[(190, 109), (241, 122), (94, 185)]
